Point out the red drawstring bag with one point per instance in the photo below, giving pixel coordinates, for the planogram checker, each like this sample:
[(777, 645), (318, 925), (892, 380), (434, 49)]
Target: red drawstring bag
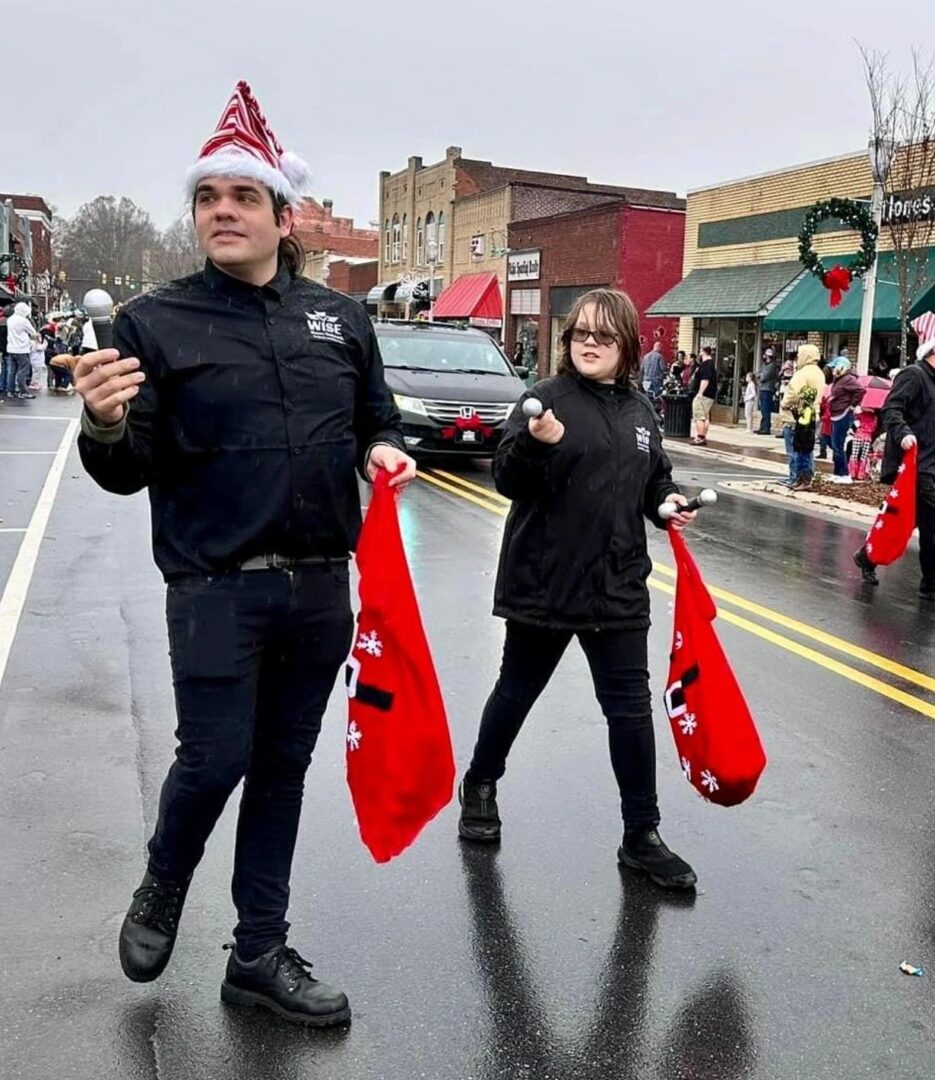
[(400, 765), (889, 535), (716, 739)]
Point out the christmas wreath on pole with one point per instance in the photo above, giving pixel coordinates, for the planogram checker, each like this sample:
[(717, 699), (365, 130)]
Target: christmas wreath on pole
[(855, 215)]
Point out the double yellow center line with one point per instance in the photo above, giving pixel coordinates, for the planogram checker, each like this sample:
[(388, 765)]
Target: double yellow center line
[(497, 504)]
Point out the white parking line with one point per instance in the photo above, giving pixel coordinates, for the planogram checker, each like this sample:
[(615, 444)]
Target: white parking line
[(23, 452), (17, 586), (12, 530), (33, 416)]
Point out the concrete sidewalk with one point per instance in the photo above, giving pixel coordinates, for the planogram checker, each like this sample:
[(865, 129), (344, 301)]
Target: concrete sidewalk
[(766, 453)]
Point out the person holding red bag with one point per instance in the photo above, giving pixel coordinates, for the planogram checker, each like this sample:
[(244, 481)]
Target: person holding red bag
[(583, 476)]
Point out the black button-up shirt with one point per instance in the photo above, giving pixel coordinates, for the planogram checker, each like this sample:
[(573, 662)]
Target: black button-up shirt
[(257, 405)]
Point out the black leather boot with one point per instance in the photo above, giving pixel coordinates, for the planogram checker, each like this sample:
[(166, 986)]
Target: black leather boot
[(867, 569), (280, 981), (645, 851), (148, 934), (480, 818)]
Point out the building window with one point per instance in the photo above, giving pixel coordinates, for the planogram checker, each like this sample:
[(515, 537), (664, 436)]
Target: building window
[(441, 236), (397, 237), (430, 237), (386, 240), (420, 243), (405, 238)]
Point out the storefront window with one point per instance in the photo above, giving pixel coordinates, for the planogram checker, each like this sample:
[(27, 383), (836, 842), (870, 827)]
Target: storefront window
[(725, 357), (526, 336)]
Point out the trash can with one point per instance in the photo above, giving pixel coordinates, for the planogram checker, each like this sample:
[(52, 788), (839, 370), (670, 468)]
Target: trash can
[(678, 418)]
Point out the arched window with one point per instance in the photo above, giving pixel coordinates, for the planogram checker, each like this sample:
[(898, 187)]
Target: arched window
[(430, 237), (420, 243), (397, 237), (386, 240), (441, 236), (405, 239)]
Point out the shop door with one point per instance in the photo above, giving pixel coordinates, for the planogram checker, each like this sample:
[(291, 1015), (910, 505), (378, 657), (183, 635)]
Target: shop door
[(746, 361)]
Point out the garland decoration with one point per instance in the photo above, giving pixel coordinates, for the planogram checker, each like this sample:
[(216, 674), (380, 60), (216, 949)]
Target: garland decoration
[(853, 214)]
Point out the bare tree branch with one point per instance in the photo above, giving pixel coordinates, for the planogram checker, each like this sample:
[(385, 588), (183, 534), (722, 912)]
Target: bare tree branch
[(903, 117)]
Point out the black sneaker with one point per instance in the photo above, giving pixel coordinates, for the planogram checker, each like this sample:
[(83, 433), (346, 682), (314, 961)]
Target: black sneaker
[(148, 934), (927, 589), (279, 980), (867, 569), (480, 818), (646, 852)]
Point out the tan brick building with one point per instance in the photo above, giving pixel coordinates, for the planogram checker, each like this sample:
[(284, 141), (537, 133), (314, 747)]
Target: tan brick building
[(464, 207), (744, 288)]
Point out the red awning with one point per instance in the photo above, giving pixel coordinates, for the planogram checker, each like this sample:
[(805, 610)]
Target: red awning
[(474, 296)]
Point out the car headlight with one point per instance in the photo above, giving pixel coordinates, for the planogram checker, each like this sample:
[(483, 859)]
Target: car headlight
[(410, 404)]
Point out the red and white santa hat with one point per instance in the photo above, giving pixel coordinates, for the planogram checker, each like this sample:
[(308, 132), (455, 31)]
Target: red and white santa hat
[(243, 144)]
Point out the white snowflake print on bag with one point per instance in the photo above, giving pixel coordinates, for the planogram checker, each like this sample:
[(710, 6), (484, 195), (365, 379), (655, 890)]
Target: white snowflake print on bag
[(370, 643)]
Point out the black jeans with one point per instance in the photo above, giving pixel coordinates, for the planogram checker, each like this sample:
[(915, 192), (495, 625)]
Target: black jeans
[(766, 411), (925, 519), (254, 659), (617, 659)]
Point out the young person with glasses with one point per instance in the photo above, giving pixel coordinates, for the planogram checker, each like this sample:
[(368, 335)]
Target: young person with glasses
[(582, 476)]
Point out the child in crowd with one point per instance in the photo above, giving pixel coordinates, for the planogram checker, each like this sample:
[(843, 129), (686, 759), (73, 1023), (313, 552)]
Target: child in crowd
[(749, 400), (865, 431)]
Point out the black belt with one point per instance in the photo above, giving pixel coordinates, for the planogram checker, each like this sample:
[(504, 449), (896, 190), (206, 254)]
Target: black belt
[(286, 562)]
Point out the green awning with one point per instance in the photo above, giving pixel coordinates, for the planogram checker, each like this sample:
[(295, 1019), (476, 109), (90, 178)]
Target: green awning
[(807, 307), (730, 290)]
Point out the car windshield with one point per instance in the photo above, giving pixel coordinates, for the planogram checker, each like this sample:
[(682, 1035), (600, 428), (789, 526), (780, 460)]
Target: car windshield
[(427, 351)]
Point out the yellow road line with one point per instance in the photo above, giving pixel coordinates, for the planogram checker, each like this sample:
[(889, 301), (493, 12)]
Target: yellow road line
[(869, 682), (463, 494), (494, 496), (855, 652)]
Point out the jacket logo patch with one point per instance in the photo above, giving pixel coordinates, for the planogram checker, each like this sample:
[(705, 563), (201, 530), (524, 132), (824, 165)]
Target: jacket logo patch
[(324, 327), (642, 439)]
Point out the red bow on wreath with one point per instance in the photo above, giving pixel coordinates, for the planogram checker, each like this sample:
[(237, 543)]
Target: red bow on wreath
[(838, 279), (470, 423)]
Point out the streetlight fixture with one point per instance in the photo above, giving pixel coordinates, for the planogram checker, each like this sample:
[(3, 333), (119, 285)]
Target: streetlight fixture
[(431, 258), (880, 152)]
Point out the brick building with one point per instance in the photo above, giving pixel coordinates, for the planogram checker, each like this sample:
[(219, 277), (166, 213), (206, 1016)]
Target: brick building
[(26, 243), (353, 277), (463, 207), (553, 260), (744, 288), (326, 236)]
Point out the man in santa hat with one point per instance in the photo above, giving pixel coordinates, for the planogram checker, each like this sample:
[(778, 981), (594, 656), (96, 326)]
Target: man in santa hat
[(242, 398), (909, 419)]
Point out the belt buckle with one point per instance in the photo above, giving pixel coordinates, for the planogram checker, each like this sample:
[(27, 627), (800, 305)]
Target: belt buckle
[(279, 562)]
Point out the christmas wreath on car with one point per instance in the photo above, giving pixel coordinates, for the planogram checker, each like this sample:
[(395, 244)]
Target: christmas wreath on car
[(855, 215)]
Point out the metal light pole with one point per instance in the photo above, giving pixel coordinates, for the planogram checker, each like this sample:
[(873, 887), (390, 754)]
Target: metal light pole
[(880, 152), (431, 256)]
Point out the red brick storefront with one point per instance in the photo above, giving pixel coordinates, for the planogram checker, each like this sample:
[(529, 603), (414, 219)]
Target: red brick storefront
[(621, 245)]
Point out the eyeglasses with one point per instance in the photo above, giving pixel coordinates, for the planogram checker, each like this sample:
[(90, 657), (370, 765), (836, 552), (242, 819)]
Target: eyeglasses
[(582, 333)]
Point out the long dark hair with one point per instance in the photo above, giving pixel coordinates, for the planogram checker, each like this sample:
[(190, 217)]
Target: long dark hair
[(617, 315), (291, 249)]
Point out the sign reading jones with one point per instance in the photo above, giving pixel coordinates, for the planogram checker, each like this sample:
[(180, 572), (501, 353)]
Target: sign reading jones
[(523, 266), (914, 206)]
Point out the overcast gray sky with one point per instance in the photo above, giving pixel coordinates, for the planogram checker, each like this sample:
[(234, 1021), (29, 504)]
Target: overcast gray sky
[(107, 97)]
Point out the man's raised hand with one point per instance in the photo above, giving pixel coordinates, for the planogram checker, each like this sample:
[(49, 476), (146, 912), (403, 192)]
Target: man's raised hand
[(106, 384)]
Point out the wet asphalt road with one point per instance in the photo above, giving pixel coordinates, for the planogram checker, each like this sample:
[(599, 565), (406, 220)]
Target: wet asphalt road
[(541, 960)]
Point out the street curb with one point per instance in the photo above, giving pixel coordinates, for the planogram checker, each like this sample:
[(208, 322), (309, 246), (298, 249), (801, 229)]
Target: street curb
[(712, 453), (836, 508)]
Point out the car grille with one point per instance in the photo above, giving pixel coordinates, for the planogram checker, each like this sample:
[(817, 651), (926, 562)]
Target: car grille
[(446, 412)]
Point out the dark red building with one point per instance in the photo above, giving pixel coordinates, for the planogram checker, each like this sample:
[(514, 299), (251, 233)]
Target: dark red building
[(620, 245)]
